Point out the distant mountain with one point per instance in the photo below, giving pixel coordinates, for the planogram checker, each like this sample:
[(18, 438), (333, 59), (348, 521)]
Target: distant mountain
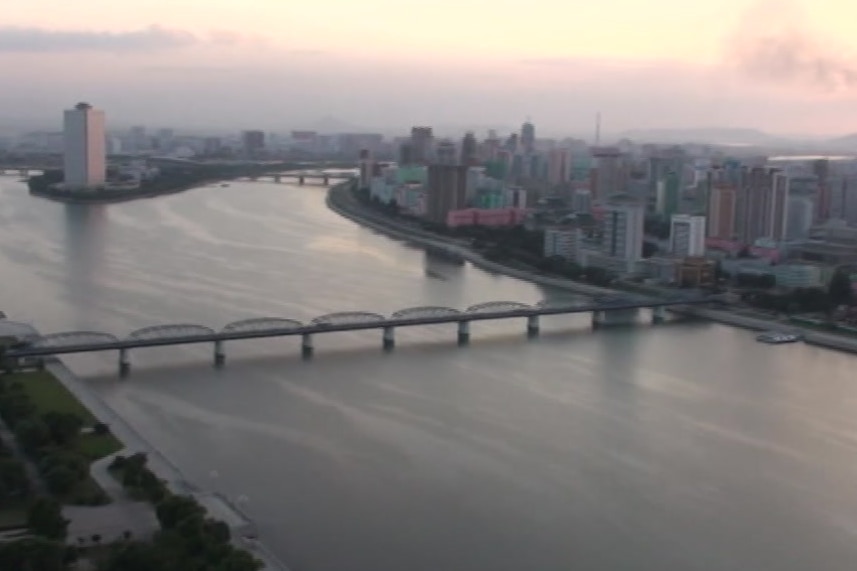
[(848, 142), (713, 135)]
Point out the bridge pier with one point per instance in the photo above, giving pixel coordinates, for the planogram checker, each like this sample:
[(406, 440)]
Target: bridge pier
[(306, 346), (533, 326), (659, 314), (124, 363), (389, 338), (463, 332), (614, 317), (219, 354)]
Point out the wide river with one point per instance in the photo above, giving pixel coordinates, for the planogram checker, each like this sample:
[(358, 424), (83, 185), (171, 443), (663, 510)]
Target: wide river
[(672, 447)]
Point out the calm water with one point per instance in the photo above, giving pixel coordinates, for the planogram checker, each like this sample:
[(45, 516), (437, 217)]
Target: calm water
[(686, 447)]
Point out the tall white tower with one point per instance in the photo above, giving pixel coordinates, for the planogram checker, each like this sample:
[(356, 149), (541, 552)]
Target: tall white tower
[(85, 153)]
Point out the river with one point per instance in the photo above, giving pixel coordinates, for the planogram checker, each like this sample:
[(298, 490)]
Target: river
[(678, 446)]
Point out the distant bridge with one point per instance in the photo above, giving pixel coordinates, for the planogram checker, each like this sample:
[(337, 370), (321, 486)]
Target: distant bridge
[(302, 176), (20, 171), (605, 310)]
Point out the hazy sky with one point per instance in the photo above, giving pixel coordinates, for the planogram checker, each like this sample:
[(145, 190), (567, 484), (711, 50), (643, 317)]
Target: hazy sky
[(784, 66)]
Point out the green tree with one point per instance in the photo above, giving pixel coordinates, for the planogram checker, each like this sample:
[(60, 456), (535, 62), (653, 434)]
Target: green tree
[(33, 554), (218, 531), (172, 510), (136, 557), (33, 434), (60, 479), (239, 560), (839, 290), (64, 427), (45, 518), (13, 479)]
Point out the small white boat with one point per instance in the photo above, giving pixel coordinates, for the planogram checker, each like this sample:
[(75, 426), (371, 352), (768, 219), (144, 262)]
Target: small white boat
[(778, 337)]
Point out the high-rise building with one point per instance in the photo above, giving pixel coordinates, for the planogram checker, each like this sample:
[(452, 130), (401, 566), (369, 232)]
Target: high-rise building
[(687, 235), (446, 190), (366, 169), (528, 137), (469, 150), (581, 201), (85, 152), (559, 166), (722, 203), (606, 176), (821, 169), (422, 139), (623, 232), (672, 190), (801, 215), (762, 205), (445, 154), (253, 141)]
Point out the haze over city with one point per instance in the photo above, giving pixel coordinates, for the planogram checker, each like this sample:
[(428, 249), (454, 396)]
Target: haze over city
[(781, 66)]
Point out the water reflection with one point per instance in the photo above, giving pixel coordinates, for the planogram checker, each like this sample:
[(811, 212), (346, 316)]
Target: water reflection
[(84, 248)]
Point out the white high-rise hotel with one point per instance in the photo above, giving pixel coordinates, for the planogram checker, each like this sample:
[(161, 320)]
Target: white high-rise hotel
[(85, 153)]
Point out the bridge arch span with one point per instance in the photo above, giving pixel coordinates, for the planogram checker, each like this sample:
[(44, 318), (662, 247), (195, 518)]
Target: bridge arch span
[(72, 338), (425, 311), (262, 324), (170, 331), (347, 318), (492, 306), (18, 330)]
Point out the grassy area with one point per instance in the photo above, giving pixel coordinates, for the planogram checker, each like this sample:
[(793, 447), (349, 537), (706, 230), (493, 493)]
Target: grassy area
[(48, 394)]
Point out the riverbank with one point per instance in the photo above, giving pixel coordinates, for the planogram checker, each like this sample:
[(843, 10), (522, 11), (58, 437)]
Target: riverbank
[(341, 200), (112, 197), (133, 442)]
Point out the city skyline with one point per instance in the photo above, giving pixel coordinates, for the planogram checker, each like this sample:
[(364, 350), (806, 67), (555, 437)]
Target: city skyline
[(739, 63)]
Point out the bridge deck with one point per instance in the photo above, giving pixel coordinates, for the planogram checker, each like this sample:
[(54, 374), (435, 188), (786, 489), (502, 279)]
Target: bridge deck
[(329, 327)]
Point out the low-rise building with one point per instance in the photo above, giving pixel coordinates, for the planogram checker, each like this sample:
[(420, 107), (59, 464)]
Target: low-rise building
[(696, 272), (562, 241), (798, 275)]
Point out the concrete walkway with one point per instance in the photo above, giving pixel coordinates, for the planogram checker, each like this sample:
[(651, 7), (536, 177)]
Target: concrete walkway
[(123, 509)]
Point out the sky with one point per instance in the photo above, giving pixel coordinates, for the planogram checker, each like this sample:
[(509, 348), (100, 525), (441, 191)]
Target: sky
[(785, 66)]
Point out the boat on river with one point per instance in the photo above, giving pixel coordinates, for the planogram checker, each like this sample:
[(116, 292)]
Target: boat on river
[(778, 337)]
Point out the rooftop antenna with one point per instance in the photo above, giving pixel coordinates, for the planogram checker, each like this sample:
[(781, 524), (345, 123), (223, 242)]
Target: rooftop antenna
[(598, 128)]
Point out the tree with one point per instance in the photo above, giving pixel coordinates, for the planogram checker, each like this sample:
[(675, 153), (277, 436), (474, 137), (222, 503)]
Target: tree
[(64, 427), (45, 518), (36, 554), (218, 531), (13, 479), (33, 434), (172, 510), (60, 479), (839, 290), (100, 429), (239, 560), (136, 557)]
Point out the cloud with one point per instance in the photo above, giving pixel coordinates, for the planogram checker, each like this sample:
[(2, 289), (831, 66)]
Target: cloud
[(38, 40), (775, 43)]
